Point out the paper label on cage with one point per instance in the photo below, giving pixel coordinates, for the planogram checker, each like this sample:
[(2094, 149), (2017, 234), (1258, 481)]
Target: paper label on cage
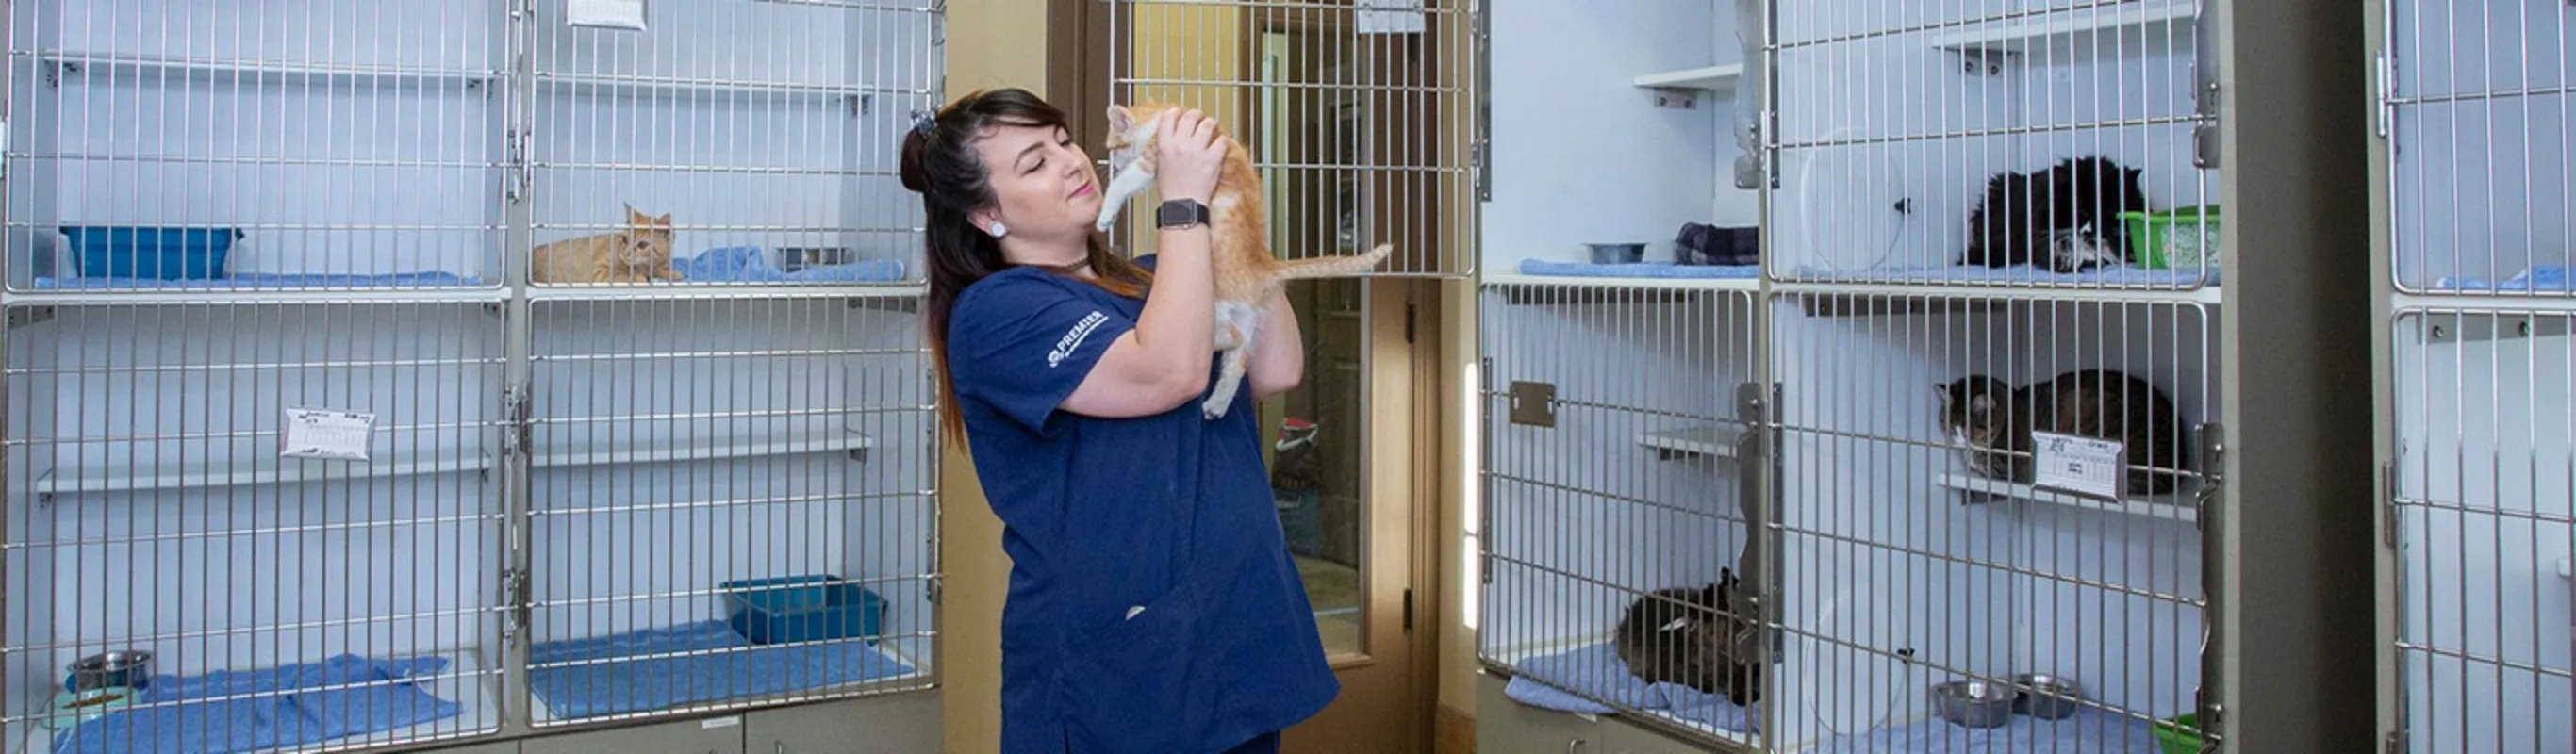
[(606, 14), (2081, 465), (1390, 16), (327, 435), (713, 723)]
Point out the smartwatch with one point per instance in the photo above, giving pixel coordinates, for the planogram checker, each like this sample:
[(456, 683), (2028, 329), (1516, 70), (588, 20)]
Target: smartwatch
[(1180, 213)]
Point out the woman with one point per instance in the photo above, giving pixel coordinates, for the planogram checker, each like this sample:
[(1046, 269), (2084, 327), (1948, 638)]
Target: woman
[(1153, 606)]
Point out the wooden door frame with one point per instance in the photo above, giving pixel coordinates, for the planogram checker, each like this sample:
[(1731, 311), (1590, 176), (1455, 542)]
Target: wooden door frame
[(1079, 70)]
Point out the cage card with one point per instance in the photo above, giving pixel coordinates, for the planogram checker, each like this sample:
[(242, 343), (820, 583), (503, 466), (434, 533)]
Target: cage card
[(2080, 465), (324, 434)]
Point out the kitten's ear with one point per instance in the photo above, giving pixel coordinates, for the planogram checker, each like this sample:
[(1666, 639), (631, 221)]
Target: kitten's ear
[(1119, 118)]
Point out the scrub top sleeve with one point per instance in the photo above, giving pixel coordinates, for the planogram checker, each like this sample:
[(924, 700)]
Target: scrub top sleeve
[(1023, 344)]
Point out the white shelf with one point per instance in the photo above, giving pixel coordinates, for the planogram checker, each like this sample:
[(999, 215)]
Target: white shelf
[(2151, 22), (273, 470), (627, 86), (245, 296), (1713, 440), (1669, 284), (2176, 506), (1716, 78), (764, 290), (76, 66), (671, 451), (2206, 295)]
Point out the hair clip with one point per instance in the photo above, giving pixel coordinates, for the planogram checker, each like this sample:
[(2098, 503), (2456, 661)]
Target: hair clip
[(923, 120)]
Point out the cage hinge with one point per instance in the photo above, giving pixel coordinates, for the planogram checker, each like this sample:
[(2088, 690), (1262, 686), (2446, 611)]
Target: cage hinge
[(517, 438), (2205, 134), (2388, 505), (514, 593), (2393, 743), (4, 148), (931, 590), (2383, 69), (2213, 472)]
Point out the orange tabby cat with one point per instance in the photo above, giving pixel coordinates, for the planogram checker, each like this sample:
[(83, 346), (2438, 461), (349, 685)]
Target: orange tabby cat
[(1239, 243), (639, 254)]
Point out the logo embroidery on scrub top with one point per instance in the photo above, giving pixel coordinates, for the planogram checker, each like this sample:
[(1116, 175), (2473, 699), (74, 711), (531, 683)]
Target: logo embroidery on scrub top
[(1074, 337)]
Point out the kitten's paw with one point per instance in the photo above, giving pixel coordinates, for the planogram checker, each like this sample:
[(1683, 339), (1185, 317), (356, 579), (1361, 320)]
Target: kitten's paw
[(1212, 409)]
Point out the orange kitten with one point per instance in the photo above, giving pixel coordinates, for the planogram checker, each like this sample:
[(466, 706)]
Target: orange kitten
[(639, 254), (1239, 247)]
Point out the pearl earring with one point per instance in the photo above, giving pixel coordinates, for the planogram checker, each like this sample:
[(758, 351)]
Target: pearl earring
[(998, 230)]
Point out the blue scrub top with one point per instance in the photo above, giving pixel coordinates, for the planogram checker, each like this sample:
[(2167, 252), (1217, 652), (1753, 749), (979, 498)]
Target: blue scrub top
[(1153, 605)]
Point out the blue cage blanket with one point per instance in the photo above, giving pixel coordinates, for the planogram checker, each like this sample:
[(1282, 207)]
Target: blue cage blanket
[(613, 678), (1594, 672), (274, 707)]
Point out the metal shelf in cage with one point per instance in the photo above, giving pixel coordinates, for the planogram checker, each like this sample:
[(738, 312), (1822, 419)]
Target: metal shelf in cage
[(1715, 78), (253, 296), (465, 680), (2079, 29), (62, 67), (626, 86), (135, 477), (1864, 300), (2178, 505), (887, 294), (1540, 289), (1707, 440), (853, 442)]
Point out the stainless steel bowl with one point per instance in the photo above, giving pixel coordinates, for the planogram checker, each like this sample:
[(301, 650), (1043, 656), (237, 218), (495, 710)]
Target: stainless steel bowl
[(1975, 704), (130, 669), (2048, 697), (1617, 253)]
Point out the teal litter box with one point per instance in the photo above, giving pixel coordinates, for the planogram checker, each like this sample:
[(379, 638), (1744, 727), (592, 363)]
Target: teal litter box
[(789, 609), (155, 253)]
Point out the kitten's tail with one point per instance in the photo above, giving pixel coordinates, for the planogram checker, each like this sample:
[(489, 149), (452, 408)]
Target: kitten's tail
[(1324, 267)]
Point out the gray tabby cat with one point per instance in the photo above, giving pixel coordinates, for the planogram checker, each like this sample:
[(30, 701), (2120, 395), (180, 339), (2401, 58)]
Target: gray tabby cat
[(1682, 635), (1992, 421)]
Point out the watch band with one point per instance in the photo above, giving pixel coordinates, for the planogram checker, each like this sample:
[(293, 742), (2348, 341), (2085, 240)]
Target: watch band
[(1180, 213)]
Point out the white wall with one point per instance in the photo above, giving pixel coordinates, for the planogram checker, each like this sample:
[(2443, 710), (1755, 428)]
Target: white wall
[(1580, 154)]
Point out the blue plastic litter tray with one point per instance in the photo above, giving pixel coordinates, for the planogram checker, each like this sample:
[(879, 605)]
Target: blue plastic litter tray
[(790, 609), (151, 252)]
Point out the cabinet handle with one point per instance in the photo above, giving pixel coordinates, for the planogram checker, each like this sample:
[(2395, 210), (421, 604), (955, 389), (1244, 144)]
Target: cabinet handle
[(782, 746), (1574, 746)]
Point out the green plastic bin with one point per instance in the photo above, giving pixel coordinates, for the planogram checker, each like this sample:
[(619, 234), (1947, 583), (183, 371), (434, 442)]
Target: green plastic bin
[(2179, 734), (2174, 238)]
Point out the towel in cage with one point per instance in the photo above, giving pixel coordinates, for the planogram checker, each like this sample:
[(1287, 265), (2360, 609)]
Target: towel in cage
[(277, 280), (2088, 729), (744, 264), (1542, 268), (1594, 672), (249, 710), (2025, 274), (703, 661), (2547, 278)]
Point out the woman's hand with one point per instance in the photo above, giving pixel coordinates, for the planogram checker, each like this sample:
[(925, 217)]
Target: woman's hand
[(1188, 156)]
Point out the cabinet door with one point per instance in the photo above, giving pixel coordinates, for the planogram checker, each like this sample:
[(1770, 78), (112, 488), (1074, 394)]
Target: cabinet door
[(1633, 739), (495, 747), (721, 734), (1504, 726), (896, 724)]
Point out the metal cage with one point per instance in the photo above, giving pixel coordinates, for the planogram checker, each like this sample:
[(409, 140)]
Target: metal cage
[(2477, 459), (291, 412)]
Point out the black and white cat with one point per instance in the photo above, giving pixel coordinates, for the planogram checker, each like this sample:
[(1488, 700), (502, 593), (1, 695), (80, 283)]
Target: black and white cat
[(2065, 218)]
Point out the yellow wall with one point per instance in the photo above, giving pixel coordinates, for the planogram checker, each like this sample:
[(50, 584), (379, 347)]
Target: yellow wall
[(991, 43)]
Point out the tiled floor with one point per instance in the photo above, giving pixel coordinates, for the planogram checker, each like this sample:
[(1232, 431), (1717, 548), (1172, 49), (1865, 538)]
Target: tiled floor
[(1335, 591)]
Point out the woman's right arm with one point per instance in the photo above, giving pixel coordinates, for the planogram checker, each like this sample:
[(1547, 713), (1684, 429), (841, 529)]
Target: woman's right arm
[(1163, 362)]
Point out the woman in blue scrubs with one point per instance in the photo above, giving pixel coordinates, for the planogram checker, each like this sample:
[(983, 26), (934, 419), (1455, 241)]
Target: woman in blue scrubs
[(1153, 606)]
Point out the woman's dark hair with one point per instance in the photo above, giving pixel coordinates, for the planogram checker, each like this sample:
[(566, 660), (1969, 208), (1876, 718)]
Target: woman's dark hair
[(940, 162)]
